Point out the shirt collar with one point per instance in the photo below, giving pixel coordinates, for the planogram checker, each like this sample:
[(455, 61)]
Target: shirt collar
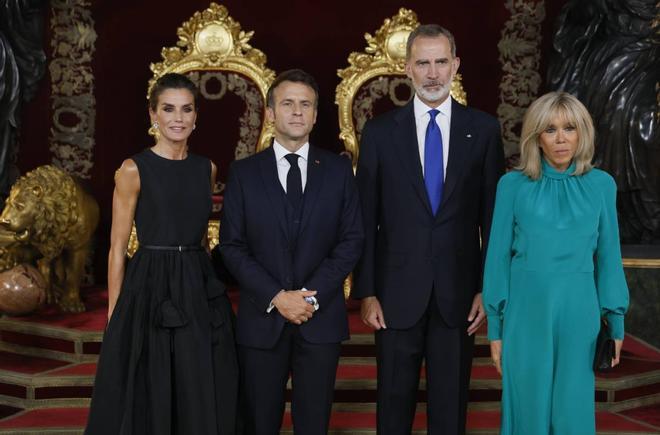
[(280, 151), (422, 109)]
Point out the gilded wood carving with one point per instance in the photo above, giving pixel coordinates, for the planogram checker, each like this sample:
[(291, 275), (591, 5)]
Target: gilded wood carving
[(211, 40)]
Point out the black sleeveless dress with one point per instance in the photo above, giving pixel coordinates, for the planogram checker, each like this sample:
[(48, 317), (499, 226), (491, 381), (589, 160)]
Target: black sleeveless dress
[(168, 363)]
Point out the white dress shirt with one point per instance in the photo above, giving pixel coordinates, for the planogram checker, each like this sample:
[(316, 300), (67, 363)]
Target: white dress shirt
[(283, 164), (443, 119)]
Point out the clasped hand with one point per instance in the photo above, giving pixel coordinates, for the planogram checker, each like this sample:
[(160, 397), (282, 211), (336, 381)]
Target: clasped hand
[(293, 307)]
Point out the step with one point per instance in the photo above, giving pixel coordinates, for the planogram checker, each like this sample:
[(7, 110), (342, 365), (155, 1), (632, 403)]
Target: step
[(47, 360), (29, 382), (647, 414), (77, 337), (635, 382), (346, 419), (6, 411), (63, 336)]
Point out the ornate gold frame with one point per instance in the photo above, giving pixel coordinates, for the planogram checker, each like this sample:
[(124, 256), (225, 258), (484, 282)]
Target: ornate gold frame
[(211, 40), (385, 54)]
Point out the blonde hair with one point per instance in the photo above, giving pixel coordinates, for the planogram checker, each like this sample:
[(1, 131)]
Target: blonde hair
[(538, 118)]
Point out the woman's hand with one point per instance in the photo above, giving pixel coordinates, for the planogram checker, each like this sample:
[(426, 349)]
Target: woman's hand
[(618, 344), (496, 354)]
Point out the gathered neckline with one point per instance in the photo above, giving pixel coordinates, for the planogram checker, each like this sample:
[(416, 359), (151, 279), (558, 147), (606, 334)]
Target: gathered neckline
[(549, 171)]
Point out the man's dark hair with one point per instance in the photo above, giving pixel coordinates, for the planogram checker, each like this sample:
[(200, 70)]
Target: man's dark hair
[(430, 31), (172, 81), (295, 76)]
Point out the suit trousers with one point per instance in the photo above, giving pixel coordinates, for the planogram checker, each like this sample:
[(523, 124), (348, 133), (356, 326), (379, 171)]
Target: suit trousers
[(313, 368), (448, 359)]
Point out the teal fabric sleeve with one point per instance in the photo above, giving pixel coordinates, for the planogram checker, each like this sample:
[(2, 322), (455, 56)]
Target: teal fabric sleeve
[(497, 272), (610, 279)]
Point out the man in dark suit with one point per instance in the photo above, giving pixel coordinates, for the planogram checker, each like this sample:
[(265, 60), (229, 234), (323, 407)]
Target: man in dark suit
[(290, 234), (427, 175)]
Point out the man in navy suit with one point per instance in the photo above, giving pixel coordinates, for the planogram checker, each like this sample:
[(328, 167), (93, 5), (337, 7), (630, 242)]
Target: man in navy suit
[(290, 234), (427, 175)]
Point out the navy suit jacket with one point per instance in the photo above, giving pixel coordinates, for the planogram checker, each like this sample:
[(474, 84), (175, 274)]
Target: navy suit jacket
[(255, 248), (408, 251)]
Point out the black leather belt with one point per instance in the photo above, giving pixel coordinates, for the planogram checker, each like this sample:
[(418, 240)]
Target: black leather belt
[(179, 248)]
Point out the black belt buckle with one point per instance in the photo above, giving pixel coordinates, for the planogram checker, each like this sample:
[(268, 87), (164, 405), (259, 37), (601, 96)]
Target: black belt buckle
[(180, 248)]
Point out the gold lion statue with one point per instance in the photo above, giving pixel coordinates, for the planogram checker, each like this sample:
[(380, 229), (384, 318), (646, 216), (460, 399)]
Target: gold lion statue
[(50, 211)]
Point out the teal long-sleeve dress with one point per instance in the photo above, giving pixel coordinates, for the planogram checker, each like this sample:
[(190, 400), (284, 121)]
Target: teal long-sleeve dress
[(553, 267)]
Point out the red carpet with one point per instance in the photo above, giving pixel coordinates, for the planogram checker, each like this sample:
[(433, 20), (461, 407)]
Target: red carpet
[(607, 421), (82, 369), (367, 420), (368, 371), (75, 418), (28, 365), (6, 411), (47, 366), (647, 414), (47, 418)]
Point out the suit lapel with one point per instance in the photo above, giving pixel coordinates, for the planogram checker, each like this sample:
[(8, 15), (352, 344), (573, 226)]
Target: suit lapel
[(460, 140), (315, 172), (268, 171), (406, 144)]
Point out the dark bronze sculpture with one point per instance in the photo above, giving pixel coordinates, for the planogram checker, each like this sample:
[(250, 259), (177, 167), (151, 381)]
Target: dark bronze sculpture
[(22, 65), (607, 54)]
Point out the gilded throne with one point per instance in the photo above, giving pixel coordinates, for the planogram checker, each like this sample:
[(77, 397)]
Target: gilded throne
[(233, 79)]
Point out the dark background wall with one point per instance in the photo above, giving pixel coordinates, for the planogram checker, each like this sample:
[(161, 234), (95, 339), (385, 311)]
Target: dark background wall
[(315, 36)]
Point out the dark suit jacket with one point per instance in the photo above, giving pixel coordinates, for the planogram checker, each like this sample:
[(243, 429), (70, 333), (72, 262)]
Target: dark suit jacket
[(254, 243), (409, 252)]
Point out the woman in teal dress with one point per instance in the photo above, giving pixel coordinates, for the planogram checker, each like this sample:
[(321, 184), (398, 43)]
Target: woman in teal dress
[(553, 268)]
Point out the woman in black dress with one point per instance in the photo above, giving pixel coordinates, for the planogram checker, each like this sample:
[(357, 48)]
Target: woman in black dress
[(168, 363)]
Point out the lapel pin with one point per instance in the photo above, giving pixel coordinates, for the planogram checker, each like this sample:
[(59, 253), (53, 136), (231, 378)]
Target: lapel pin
[(468, 135), (317, 162)]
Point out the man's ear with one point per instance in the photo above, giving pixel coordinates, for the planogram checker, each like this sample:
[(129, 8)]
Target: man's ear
[(270, 114), (408, 70), (455, 64)]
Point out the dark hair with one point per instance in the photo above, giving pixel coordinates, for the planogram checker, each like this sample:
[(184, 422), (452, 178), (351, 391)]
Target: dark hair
[(296, 76), (172, 81), (430, 31)]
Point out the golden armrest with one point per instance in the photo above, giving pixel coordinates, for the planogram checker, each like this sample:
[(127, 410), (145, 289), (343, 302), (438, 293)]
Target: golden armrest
[(213, 237)]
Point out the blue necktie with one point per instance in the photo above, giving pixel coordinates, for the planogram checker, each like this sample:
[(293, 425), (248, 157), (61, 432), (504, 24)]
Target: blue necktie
[(433, 162)]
